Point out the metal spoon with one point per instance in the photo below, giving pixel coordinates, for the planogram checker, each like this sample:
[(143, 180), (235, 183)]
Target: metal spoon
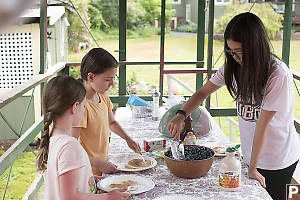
[(177, 154), (142, 158)]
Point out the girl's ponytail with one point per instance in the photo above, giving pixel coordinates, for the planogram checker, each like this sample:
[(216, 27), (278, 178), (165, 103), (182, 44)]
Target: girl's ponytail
[(42, 157), (59, 95)]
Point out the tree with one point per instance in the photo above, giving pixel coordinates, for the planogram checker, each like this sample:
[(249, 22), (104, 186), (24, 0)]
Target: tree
[(76, 31), (104, 15)]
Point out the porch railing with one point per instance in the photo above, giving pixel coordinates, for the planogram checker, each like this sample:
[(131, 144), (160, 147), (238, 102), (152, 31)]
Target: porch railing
[(8, 158)]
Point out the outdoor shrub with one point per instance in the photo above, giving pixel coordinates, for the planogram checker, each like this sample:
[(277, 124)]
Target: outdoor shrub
[(271, 19), (75, 71), (104, 15), (76, 31)]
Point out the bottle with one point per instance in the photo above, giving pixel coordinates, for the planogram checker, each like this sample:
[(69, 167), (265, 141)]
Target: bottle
[(188, 135), (155, 111), (230, 170)]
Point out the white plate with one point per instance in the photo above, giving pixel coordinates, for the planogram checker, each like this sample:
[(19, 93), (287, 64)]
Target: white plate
[(122, 159), (177, 197), (143, 184)]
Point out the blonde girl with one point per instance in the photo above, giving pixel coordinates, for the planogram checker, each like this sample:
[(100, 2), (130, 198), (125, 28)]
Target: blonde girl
[(68, 173)]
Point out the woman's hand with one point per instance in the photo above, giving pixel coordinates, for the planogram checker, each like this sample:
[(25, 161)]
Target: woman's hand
[(133, 145), (253, 173), (118, 194), (175, 126), (107, 167)]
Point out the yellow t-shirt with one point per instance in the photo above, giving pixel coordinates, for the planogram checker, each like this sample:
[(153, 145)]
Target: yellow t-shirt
[(94, 135)]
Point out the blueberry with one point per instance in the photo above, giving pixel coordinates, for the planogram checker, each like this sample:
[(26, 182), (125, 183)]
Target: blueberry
[(194, 153)]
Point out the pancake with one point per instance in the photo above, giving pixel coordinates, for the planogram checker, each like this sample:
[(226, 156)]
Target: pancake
[(138, 163), (123, 184)]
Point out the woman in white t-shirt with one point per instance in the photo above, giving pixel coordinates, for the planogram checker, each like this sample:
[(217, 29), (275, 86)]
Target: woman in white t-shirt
[(262, 87), (68, 172)]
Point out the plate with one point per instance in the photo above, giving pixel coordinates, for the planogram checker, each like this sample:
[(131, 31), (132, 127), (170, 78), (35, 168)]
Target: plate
[(177, 197), (142, 184), (121, 161)]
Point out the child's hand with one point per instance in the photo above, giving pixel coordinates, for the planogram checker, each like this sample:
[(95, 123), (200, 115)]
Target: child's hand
[(133, 145), (118, 194), (98, 179), (108, 168)]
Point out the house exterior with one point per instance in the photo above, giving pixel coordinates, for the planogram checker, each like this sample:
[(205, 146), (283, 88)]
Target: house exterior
[(186, 10), (18, 45)]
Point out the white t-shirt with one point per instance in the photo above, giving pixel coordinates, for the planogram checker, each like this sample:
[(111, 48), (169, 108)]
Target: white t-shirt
[(281, 147), (65, 154)]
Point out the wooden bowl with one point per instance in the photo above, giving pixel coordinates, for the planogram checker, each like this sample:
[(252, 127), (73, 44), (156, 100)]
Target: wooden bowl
[(189, 169)]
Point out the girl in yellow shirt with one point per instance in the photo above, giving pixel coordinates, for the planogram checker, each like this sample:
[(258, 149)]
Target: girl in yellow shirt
[(98, 69)]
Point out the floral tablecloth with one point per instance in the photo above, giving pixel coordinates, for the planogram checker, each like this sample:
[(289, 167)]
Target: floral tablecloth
[(166, 183)]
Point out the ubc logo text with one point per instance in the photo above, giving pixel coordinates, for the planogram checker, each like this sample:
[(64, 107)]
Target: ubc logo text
[(248, 112)]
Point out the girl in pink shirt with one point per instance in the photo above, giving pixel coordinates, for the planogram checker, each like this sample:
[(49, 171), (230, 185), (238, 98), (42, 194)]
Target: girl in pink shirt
[(68, 173)]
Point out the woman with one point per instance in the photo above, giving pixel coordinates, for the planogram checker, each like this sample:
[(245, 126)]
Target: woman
[(262, 87)]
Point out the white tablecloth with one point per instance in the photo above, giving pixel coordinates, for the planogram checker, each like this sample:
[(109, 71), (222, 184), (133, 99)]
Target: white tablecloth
[(166, 183)]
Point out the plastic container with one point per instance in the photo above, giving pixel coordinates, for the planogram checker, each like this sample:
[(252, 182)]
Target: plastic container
[(230, 170), (155, 111)]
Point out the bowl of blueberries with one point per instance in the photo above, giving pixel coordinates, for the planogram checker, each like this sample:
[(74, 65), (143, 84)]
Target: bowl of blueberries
[(197, 161)]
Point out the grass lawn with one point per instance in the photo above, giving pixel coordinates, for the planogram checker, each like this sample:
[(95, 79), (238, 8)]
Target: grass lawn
[(184, 48), (22, 175)]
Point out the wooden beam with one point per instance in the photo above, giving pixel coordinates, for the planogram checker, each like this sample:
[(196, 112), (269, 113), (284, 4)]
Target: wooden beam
[(175, 62), (14, 93), (34, 188), (18, 147), (222, 112), (297, 125), (296, 75), (189, 71)]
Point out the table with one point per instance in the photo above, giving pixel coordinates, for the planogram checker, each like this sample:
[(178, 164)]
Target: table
[(205, 187)]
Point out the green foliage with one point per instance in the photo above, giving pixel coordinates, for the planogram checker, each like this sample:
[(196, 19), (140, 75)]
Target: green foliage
[(135, 15), (104, 15), (76, 31), (143, 32), (22, 175), (271, 19), (75, 71), (153, 9)]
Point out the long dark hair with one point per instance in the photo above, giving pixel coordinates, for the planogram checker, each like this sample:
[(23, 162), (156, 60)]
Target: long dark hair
[(59, 95), (97, 61), (252, 75)]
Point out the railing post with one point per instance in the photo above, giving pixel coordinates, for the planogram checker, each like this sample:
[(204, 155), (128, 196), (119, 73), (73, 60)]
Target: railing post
[(122, 47), (200, 41), (43, 40), (162, 49), (210, 45), (287, 27)]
